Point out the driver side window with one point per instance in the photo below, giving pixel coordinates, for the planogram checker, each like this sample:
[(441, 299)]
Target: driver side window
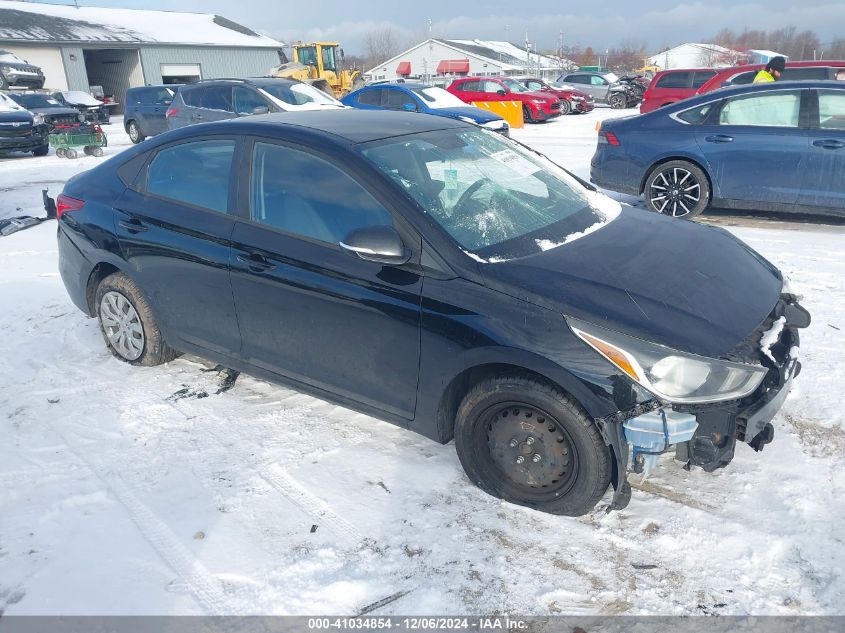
[(491, 86), (246, 100), (302, 194)]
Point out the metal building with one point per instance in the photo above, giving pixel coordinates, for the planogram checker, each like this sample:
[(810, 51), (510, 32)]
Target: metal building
[(80, 47)]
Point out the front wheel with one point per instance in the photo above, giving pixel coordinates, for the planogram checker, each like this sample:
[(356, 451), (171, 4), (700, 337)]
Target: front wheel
[(529, 443), (565, 107), (41, 151), (526, 114), (617, 101), (677, 188), (128, 325)]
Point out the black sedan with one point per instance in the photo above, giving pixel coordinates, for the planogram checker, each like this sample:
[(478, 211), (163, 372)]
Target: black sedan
[(771, 147), (53, 112), (442, 277)]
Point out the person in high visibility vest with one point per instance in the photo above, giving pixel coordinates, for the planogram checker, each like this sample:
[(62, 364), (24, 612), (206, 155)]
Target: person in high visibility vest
[(772, 71)]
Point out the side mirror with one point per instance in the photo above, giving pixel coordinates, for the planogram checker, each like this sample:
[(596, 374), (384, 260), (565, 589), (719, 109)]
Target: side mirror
[(380, 244), (409, 107), (501, 91), (260, 110)]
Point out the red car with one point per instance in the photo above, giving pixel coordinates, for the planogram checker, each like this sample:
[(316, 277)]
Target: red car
[(571, 100), (669, 86), (536, 106), (737, 75)]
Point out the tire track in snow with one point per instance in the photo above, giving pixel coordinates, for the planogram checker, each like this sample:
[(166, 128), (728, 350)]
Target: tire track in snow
[(312, 505), (205, 587)]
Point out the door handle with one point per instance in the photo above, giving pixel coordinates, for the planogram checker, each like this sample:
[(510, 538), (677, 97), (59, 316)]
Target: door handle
[(256, 263), (133, 226), (196, 117), (829, 143), (719, 138)]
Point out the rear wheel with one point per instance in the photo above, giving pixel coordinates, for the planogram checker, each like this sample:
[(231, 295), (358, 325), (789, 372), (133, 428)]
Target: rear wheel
[(128, 325), (135, 134), (565, 107), (677, 188), (71, 153), (529, 443), (61, 152)]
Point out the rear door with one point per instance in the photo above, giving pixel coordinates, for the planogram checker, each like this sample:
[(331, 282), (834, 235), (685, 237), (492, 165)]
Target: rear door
[(174, 229), (309, 310), (824, 177), (152, 108), (755, 146), (470, 90)]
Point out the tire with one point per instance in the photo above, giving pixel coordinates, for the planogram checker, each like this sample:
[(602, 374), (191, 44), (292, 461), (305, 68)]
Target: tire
[(526, 114), (505, 419), (131, 333), (61, 152), (682, 199), (97, 151), (41, 151), (565, 107), (71, 153), (617, 100), (134, 131)]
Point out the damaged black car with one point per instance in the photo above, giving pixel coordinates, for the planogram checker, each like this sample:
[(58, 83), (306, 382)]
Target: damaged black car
[(444, 278), (53, 112), (21, 130)]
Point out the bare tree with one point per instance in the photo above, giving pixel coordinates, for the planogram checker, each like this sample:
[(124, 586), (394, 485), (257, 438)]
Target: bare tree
[(380, 45)]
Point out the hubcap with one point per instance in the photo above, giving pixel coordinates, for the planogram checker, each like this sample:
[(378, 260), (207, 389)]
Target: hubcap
[(133, 131), (530, 448), (122, 325), (675, 192)]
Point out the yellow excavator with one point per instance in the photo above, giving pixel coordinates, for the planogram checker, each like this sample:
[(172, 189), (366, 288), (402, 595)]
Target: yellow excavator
[(321, 65)]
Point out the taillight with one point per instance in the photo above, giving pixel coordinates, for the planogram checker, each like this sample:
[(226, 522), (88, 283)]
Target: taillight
[(608, 137), (64, 204), (171, 112)]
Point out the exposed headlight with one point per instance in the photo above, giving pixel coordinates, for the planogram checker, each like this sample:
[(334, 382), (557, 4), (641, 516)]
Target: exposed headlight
[(671, 375), (38, 119)]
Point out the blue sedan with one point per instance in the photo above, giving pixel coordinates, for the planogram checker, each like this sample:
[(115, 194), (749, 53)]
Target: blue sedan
[(771, 147), (420, 97)]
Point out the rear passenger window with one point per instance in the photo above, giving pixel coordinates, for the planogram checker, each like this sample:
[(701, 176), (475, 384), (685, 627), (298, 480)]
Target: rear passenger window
[(673, 80), (370, 97), (304, 195), (701, 77), (695, 116), (195, 173)]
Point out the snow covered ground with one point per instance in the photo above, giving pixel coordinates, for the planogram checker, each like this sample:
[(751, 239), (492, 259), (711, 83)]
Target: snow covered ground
[(153, 491)]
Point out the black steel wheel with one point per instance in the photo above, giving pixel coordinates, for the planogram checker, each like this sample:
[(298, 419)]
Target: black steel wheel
[(529, 443), (677, 188)]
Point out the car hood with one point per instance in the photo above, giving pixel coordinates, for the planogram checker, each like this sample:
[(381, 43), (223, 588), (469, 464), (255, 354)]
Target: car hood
[(15, 116), (679, 283), (470, 112), (30, 68), (536, 94), (55, 111)]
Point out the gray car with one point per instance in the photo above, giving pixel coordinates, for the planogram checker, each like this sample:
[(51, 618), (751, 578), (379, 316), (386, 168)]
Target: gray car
[(220, 99), (603, 86)]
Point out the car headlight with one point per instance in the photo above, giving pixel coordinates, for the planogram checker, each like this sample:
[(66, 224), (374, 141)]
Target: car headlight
[(6, 69), (38, 119), (539, 101), (671, 375)]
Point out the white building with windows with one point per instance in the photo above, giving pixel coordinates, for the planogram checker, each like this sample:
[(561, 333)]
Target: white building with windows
[(692, 55), (445, 59)]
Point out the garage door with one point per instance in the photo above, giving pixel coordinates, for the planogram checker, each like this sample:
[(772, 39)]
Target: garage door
[(180, 73)]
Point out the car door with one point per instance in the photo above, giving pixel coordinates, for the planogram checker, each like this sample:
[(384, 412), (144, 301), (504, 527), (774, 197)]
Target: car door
[(824, 177), (598, 87), (470, 90), (492, 90), (153, 107), (247, 101), (307, 309), (755, 146), (398, 99), (174, 229), (370, 99)]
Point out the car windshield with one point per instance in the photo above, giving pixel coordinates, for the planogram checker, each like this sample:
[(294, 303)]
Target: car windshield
[(36, 101), (514, 85), (10, 58), (7, 105), (497, 200), (438, 98), (298, 96)]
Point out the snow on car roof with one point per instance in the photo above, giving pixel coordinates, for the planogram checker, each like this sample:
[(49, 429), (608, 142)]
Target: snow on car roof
[(27, 21)]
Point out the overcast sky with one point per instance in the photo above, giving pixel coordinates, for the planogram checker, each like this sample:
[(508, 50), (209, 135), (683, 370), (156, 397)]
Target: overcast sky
[(597, 24)]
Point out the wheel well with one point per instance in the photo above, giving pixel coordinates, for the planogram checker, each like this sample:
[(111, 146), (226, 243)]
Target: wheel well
[(669, 160), (461, 384), (126, 124), (100, 272)]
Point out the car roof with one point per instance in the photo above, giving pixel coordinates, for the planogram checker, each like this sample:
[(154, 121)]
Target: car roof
[(717, 95), (351, 126)]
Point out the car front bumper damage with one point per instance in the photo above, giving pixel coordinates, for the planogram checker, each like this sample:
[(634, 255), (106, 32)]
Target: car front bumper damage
[(721, 425)]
